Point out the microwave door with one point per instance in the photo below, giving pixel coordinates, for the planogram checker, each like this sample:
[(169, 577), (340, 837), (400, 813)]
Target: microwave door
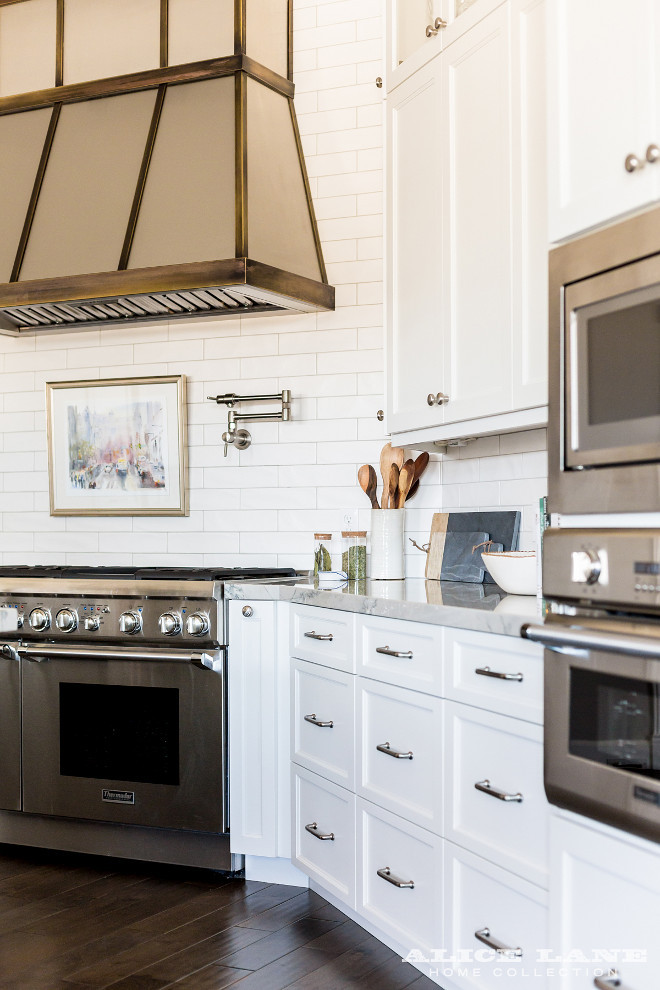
[(612, 373)]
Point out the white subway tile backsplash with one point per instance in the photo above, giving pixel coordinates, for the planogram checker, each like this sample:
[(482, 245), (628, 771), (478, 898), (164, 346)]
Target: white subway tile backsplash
[(262, 506)]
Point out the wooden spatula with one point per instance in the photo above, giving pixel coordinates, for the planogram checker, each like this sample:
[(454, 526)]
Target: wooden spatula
[(393, 488), (368, 482), (406, 475), (389, 455), (420, 465)]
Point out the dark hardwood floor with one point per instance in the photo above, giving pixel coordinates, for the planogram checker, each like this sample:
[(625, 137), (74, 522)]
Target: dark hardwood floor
[(85, 923)]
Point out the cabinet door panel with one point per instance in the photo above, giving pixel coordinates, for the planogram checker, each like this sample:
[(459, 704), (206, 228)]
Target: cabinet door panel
[(604, 906), (601, 86), (477, 286), (530, 225), (413, 217), (329, 697)]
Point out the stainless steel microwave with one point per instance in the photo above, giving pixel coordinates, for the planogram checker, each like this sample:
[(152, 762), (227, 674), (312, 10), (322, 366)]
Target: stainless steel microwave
[(604, 416)]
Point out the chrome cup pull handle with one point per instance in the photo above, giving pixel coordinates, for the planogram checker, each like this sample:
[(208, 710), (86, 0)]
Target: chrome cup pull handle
[(610, 981), (314, 830), (394, 653), (326, 637), (386, 748), (487, 672), (483, 934), (485, 787), (315, 721), (386, 874)]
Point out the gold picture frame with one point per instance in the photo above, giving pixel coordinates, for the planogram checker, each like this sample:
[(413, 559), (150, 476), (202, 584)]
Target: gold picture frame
[(117, 447)]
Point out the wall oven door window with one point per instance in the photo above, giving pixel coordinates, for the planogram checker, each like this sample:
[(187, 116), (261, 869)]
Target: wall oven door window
[(612, 367), (132, 741)]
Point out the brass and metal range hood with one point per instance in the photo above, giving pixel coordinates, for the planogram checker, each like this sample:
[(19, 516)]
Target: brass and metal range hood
[(175, 191)]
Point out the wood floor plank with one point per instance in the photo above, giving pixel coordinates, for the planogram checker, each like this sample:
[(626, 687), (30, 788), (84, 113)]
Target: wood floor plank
[(347, 969), (394, 975), (285, 971), (268, 949), (341, 938), (214, 977), (304, 905)]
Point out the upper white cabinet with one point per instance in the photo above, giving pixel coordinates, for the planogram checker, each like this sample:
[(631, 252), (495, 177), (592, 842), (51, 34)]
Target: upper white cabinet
[(604, 113), (467, 235)]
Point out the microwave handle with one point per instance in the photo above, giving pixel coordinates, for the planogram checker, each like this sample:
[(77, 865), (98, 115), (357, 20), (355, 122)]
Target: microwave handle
[(557, 639)]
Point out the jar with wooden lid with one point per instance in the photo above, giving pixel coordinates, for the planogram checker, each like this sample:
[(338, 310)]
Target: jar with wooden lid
[(354, 554), (322, 559)]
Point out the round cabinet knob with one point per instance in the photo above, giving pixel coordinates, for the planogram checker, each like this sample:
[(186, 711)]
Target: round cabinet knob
[(170, 623), (652, 154), (91, 623), (130, 622), (585, 566), (441, 398), (247, 611), (40, 619), (197, 624), (430, 398), (66, 620), (632, 163)]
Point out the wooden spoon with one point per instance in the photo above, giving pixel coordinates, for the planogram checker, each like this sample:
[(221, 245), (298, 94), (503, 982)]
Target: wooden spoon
[(414, 488), (406, 476), (420, 465), (368, 481), (389, 455), (393, 488)]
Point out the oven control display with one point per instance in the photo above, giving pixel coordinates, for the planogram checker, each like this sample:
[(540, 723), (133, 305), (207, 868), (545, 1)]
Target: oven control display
[(647, 567)]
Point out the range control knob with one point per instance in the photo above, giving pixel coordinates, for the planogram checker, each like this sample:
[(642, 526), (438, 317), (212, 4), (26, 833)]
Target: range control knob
[(170, 623), (66, 620), (197, 624), (585, 566), (40, 619), (91, 623), (130, 622)]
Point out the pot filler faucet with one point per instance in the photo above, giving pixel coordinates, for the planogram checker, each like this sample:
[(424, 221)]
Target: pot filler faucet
[(240, 438)]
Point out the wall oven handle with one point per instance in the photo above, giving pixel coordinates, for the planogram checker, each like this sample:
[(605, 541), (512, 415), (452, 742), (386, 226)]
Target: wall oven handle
[(48, 652), (555, 639), (608, 982), (483, 934)]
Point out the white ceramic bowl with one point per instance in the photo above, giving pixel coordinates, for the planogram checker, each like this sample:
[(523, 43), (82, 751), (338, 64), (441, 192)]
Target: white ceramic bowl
[(513, 570)]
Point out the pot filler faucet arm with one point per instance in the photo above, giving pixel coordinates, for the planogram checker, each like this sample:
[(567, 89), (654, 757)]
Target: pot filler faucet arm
[(240, 438)]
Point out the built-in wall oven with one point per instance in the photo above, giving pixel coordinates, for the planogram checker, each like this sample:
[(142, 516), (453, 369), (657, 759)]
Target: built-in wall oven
[(604, 419), (602, 675)]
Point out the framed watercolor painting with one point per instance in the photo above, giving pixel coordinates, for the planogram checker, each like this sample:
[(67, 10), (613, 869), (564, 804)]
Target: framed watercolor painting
[(117, 447)]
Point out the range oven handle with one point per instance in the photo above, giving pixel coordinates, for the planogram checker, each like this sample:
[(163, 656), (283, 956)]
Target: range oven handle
[(590, 639), (48, 652)]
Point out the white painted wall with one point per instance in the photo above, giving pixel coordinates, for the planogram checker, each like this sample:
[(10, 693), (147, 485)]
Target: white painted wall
[(263, 505)]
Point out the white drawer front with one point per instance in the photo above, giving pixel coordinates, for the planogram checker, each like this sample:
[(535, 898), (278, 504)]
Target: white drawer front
[(411, 915), (409, 723), (323, 635), (505, 755), (419, 648), (328, 810), (323, 729), (475, 659), (479, 897)]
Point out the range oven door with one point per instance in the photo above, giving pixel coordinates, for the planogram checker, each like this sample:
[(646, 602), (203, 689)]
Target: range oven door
[(136, 737), (10, 729), (602, 726)]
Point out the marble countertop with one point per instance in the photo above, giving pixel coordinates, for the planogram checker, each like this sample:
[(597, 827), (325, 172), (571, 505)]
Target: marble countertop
[(481, 607)]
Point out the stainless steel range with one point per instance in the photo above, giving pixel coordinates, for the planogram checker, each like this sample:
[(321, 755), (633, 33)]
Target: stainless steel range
[(113, 713), (602, 674)]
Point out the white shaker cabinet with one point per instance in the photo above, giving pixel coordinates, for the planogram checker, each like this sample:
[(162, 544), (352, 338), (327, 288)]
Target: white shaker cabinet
[(466, 234), (603, 108)]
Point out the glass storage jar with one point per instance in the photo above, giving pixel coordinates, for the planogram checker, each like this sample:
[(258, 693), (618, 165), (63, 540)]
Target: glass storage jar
[(322, 559), (354, 554)]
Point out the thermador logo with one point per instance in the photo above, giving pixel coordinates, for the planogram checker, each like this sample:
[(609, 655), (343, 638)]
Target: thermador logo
[(118, 797)]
